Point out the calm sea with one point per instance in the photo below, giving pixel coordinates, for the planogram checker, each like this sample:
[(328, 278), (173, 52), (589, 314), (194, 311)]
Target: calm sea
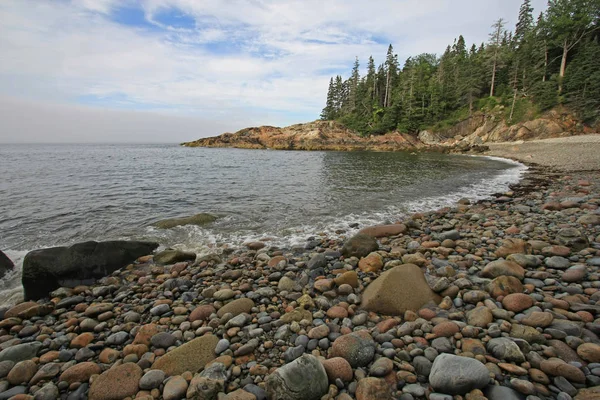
[(61, 194)]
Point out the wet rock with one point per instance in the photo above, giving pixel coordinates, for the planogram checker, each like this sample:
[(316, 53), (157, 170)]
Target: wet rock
[(338, 368), (202, 312), (457, 375), (45, 372), (302, 379), (20, 352), (359, 245), (116, 383), (590, 393), (371, 263), (572, 238), (480, 317), (152, 379), (236, 307), (574, 274), (381, 367), (163, 340), (358, 348), (82, 263), (557, 367), (48, 392), (175, 388), (22, 372), (512, 246), (505, 349), (505, 285), (80, 372), (589, 352), (498, 268), (538, 319), (198, 219), (6, 265), (399, 289), (204, 388), (493, 392), (379, 231), (557, 262), (172, 256), (373, 389), (190, 356), (517, 302), (347, 278)]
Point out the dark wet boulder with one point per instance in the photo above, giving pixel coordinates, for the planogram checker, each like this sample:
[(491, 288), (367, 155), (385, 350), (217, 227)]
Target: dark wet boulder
[(6, 264), (172, 256), (360, 245), (198, 219), (80, 264)]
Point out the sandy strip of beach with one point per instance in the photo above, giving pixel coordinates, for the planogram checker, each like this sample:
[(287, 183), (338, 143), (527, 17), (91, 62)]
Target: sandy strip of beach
[(568, 154)]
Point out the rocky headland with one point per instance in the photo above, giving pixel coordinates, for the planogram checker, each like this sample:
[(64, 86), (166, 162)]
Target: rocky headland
[(474, 133), (317, 135), (498, 300)]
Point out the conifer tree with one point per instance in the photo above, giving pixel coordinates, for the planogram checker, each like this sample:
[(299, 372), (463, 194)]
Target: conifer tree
[(495, 49)]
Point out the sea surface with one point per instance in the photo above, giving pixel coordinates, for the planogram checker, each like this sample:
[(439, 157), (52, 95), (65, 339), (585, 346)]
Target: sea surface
[(54, 195)]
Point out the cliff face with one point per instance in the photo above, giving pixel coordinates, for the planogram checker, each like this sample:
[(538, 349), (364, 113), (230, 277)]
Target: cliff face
[(480, 129), (317, 135)]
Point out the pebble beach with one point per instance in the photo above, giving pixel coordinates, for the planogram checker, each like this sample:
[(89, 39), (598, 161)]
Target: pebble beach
[(498, 299)]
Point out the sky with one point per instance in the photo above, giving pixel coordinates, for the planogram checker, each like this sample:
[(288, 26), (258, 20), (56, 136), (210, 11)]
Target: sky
[(176, 70)]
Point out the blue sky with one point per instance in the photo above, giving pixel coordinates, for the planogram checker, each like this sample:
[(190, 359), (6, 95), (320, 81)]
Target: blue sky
[(225, 64)]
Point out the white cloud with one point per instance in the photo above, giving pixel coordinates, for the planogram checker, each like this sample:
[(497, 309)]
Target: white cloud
[(73, 53)]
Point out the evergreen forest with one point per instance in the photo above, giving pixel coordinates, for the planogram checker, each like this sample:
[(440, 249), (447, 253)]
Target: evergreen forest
[(547, 60)]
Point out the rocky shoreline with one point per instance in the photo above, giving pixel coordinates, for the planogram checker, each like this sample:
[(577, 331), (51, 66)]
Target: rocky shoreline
[(498, 299)]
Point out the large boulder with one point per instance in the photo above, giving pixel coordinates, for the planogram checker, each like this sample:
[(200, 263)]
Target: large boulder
[(172, 256), (359, 245), (378, 231), (45, 270), (498, 268), (399, 289), (198, 219), (191, 356), (116, 383), (302, 379), (430, 137), (6, 264)]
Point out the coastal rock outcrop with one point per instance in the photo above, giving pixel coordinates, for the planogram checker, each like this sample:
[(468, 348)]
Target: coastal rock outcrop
[(397, 290), (47, 269), (6, 264), (317, 135)]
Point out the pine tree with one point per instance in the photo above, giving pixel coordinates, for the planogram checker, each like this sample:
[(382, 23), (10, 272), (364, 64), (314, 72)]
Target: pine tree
[(328, 111), (371, 81), (571, 21), (582, 82), (531, 63), (494, 46), (353, 86), (391, 68), (525, 22)]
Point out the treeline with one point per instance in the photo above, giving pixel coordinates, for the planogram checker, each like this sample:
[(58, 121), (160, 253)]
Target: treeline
[(551, 60)]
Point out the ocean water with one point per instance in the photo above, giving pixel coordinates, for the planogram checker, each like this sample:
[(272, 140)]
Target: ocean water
[(53, 195)]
